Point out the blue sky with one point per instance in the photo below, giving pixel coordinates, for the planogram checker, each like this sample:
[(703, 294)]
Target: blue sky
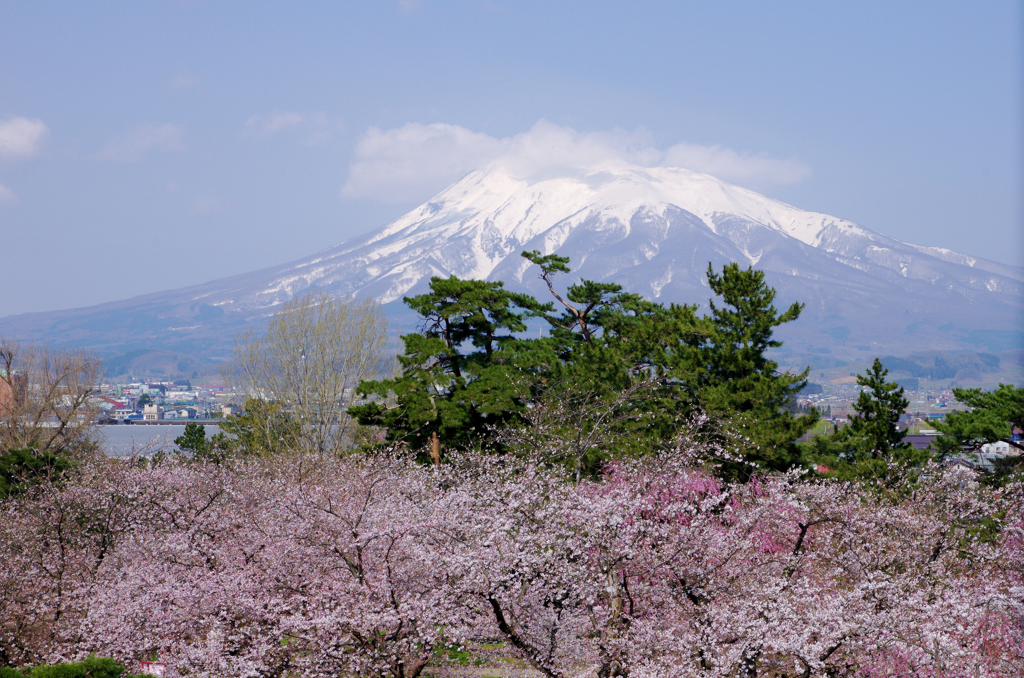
[(145, 146)]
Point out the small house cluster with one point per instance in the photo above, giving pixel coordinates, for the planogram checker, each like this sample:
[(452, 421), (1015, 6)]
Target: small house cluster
[(157, 401)]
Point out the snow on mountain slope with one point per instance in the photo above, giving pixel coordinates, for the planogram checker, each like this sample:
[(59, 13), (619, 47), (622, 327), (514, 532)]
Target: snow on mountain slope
[(480, 223), (654, 230)]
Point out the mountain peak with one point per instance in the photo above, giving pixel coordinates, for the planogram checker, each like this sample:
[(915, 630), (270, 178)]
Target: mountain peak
[(618, 191), (652, 229)]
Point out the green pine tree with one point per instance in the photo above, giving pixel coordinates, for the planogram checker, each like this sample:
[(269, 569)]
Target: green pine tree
[(729, 372), (20, 469), (466, 374), (193, 440), (865, 448), (993, 417), (879, 407), (470, 372)]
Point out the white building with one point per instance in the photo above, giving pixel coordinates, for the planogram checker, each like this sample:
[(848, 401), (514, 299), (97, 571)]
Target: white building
[(1000, 447)]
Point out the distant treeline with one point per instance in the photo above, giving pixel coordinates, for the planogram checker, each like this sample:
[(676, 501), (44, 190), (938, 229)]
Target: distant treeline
[(942, 367)]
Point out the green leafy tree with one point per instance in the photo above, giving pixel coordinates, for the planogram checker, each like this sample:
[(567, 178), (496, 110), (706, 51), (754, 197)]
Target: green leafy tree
[(91, 667), (606, 339), (582, 430), (879, 407), (717, 363), (992, 417), (468, 373), (264, 428), (193, 440), (609, 343)]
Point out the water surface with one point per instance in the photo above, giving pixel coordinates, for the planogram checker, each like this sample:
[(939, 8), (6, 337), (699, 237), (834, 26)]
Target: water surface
[(122, 440)]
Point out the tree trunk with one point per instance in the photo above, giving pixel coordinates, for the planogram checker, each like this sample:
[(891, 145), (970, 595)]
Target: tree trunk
[(435, 449)]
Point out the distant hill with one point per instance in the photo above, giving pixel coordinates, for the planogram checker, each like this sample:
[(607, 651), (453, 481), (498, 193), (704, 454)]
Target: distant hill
[(936, 366), (154, 363), (929, 370)]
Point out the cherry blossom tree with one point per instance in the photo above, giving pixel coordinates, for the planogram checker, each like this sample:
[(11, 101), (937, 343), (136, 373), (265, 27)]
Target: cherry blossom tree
[(662, 570), (315, 569), (814, 579), (55, 542), (366, 566)]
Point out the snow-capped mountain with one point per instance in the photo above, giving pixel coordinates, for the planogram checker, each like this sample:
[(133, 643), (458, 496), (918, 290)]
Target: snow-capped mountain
[(654, 230), (650, 226)]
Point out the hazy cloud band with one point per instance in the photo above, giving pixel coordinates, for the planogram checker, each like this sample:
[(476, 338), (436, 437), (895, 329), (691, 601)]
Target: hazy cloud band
[(416, 160)]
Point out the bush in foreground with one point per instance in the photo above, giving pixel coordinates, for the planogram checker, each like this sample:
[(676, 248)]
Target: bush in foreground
[(91, 667)]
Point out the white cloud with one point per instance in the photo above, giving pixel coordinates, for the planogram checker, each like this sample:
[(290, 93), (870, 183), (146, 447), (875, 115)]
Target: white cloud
[(727, 164), (316, 128), (130, 146), (409, 6), (7, 196), (20, 137), (415, 161)]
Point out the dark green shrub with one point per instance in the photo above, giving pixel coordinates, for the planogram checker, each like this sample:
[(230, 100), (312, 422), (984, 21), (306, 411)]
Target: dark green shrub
[(20, 468), (91, 667)]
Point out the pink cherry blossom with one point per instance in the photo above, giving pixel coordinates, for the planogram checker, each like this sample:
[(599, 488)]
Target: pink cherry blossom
[(365, 566)]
